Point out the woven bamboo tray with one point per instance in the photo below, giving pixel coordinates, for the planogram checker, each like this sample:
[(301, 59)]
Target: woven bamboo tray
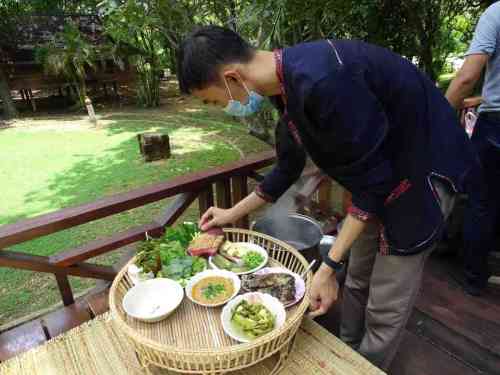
[(192, 340)]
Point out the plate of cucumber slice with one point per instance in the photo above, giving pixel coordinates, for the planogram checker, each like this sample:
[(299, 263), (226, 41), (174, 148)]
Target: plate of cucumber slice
[(239, 257)]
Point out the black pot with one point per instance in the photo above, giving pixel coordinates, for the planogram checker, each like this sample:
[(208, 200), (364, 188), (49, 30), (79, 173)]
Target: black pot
[(299, 231)]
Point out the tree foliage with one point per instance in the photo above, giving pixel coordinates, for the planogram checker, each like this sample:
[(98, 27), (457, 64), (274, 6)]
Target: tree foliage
[(148, 32), (69, 55), (135, 26), (421, 30)]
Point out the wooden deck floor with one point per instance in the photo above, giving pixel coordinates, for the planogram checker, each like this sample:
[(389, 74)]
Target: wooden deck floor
[(36, 332), (449, 333)]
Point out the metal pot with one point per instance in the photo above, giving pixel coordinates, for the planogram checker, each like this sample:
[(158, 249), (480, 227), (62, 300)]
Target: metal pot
[(299, 231)]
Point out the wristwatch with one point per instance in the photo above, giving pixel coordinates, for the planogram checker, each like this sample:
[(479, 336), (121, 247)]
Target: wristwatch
[(337, 266)]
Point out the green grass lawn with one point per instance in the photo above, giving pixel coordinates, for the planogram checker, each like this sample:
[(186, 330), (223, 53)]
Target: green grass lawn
[(52, 163)]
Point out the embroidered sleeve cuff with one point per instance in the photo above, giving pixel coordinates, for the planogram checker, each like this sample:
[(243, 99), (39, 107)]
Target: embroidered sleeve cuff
[(262, 194), (359, 213)]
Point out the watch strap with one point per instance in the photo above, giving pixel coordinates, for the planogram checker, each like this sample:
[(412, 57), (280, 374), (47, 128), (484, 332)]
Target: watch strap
[(337, 266)]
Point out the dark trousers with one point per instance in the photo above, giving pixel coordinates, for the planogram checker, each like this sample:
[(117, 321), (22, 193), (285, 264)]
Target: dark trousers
[(481, 214)]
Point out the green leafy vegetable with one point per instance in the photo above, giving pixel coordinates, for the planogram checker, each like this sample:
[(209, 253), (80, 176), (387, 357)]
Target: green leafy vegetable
[(179, 268), (170, 251), (167, 256), (252, 259), (183, 233), (183, 268), (199, 264), (213, 290), (147, 257)]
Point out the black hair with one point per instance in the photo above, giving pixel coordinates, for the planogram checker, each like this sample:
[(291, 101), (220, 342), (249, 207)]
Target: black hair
[(202, 53)]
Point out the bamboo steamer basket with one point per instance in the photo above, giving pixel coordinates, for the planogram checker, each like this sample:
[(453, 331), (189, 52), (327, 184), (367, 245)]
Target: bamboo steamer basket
[(192, 340)]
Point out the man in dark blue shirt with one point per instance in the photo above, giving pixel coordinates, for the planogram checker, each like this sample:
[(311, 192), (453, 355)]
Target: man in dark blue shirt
[(373, 122)]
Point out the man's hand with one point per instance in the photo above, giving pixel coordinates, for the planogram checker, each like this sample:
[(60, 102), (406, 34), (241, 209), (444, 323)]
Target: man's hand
[(324, 291), (216, 217)]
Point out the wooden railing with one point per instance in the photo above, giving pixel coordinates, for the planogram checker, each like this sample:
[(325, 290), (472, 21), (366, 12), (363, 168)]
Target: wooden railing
[(228, 183)]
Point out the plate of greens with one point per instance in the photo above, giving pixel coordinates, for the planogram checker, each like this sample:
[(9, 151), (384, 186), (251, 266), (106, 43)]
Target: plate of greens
[(252, 315), (239, 257), (167, 256)]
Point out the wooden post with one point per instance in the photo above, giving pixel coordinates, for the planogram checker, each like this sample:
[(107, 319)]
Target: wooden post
[(240, 191), (90, 110), (324, 196), (26, 97), (115, 89), (65, 289), (154, 146), (223, 193), (32, 100), (206, 199), (117, 93)]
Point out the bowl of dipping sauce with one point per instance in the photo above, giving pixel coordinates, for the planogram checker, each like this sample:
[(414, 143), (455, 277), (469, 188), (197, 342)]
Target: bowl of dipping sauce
[(212, 288)]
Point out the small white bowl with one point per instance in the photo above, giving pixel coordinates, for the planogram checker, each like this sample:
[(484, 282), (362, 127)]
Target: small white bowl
[(271, 303), (153, 300), (208, 273), (251, 247)]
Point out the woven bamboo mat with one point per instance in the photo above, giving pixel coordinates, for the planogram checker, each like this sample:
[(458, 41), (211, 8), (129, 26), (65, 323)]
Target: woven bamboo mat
[(96, 348)]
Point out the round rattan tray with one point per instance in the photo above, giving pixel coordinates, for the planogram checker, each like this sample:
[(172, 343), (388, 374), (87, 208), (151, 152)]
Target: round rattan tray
[(192, 340)]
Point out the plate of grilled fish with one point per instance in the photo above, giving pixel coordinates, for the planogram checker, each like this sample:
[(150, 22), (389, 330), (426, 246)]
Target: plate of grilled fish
[(285, 285)]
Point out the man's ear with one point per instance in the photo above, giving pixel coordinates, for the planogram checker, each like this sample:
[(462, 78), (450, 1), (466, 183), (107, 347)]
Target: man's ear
[(231, 75)]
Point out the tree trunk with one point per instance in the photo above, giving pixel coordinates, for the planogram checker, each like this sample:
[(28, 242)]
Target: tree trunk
[(173, 61), (426, 61), (8, 105), (233, 14)]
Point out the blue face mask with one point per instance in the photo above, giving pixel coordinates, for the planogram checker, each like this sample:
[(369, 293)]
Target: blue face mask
[(236, 108)]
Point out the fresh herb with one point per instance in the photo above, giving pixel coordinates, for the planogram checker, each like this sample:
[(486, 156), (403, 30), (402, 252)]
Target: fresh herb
[(252, 259), (199, 264), (167, 256), (183, 233), (213, 290), (170, 250), (148, 258), (183, 268)]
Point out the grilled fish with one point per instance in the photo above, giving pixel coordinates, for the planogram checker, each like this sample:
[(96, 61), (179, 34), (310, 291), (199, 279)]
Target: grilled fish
[(279, 285)]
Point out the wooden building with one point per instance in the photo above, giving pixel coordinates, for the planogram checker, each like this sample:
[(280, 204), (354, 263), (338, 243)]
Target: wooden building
[(26, 75)]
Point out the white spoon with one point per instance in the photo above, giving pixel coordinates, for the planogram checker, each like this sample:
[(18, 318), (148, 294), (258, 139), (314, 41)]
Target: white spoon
[(311, 265)]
